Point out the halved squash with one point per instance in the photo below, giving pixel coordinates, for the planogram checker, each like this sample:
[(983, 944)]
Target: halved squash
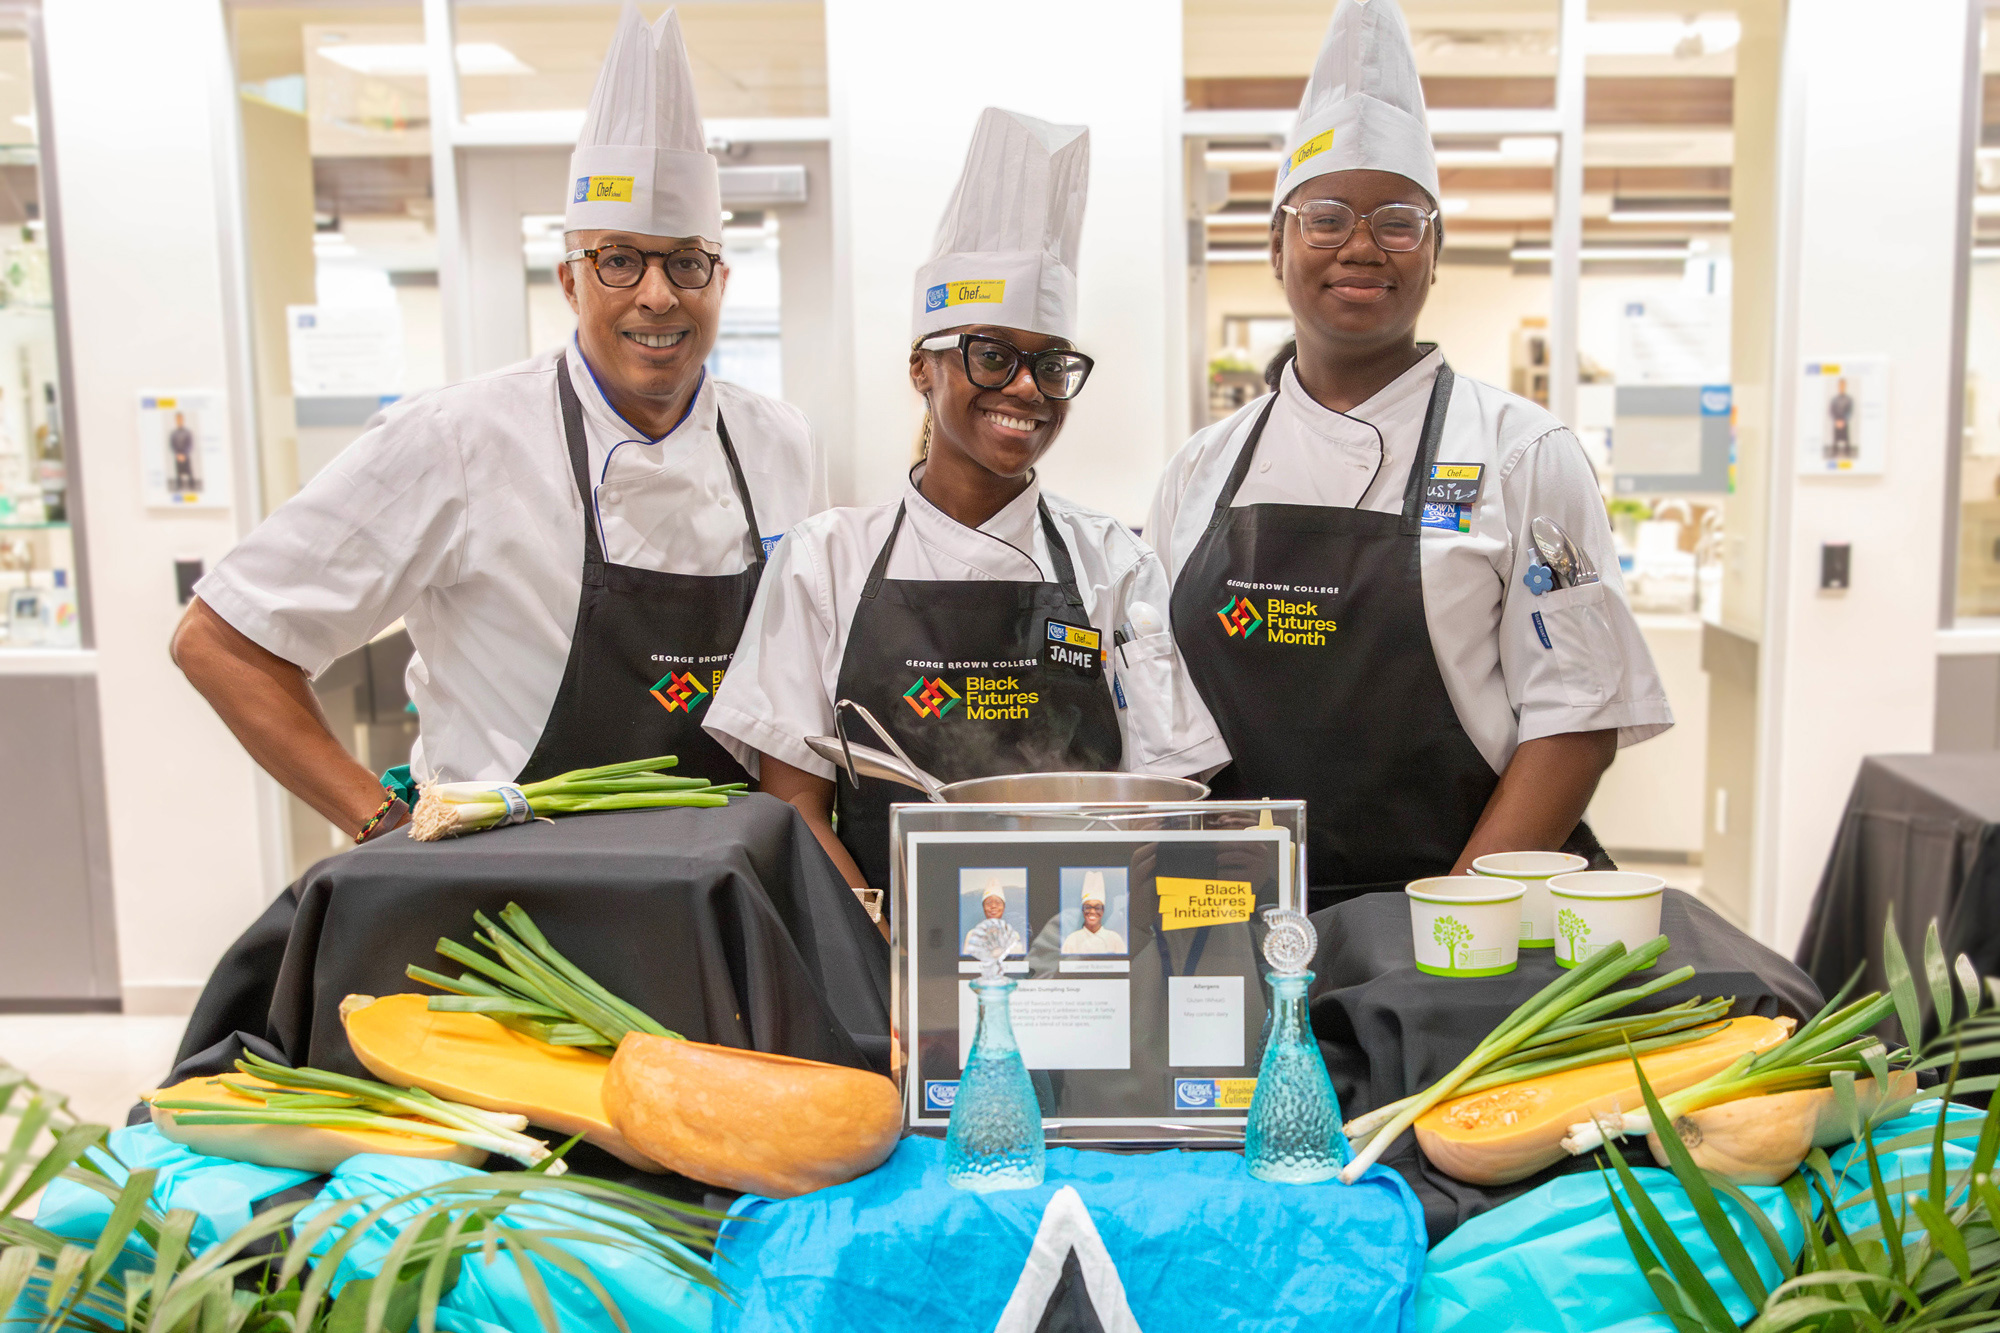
[(1510, 1132), (294, 1147), (1762, 1140), (747, 1120), (472, 1059)]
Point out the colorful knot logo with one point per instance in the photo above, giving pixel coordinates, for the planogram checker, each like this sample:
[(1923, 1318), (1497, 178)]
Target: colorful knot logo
[(1240, 618), (679, 693), (931, 698)]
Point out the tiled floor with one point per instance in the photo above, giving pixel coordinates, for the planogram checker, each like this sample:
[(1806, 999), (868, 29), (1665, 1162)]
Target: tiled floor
[(103, 1061)]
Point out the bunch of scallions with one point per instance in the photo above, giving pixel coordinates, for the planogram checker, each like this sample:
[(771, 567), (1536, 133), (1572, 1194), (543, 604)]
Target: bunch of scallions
[(530, 987), (1837, 1039), (316, 1099), (1566, 1024), (447, 809)]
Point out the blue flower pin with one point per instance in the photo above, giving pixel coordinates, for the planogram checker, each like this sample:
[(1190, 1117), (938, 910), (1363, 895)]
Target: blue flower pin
[(1539, 579)]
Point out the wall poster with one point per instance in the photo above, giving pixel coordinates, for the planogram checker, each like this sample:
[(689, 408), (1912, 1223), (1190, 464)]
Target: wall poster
[(1844, 416), (184, 449)]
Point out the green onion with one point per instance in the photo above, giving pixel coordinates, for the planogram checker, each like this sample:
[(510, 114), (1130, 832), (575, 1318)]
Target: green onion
[(1572, 996), (447, 809), (1837, 1039), (319, 1099), (531, 988)]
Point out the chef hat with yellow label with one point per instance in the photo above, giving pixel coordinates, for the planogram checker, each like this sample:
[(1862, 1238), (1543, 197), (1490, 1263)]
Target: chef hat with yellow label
[(1093, 887), (1006, 248), (642, 163), (1363, 106)]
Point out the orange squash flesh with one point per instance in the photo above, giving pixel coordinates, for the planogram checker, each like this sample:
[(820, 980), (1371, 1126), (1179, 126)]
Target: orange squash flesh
[(293, 1147), (1510, 1132), (472, 1059), (748, 1120)]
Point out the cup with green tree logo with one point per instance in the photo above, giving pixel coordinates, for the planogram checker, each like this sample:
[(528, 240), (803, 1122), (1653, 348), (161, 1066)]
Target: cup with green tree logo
[(1595, 908), (1465, 925)]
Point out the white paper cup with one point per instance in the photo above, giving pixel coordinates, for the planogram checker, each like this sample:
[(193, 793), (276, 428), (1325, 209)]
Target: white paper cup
[(1534, 869), (1596, 907), (1465, 925)]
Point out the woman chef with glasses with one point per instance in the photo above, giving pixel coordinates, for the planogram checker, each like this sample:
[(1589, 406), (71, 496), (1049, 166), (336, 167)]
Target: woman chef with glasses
[(1356, 588), (992, 627)]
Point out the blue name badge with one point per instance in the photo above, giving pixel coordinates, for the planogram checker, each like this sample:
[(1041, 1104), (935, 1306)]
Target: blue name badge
[(939, 1094), (1446, 517)]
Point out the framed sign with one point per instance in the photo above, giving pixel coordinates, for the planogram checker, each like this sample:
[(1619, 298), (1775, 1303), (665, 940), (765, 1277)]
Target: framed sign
[(184, 449), (1844, 416), (1140, 1003)]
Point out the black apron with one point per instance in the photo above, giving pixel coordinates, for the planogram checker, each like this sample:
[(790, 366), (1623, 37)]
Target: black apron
[(907, 660), (1303, 627), (649, 648)]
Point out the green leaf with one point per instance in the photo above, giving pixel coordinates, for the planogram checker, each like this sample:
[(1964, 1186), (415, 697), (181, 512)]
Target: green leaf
[(1968, 985), (1812, 1311), (70, 1145), (17, 1265), (1902, 987), (1938, 973), (1944, 1235), (1781, 1253), (1687, 1275)]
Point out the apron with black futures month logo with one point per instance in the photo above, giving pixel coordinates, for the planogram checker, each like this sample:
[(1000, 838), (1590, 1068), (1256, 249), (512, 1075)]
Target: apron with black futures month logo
[(1303, 627), (649, 648), (970, 678)]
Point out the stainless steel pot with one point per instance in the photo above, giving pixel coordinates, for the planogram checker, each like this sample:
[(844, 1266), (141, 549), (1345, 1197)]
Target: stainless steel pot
[(1004, 788)]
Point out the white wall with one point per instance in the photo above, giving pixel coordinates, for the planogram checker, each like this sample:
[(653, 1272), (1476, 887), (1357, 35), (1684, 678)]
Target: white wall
[(905, 82), (134, 157), (1846, 675)]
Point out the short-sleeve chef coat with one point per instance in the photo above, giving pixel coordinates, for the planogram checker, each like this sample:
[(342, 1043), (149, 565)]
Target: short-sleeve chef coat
[(1505, 686), (783, 684), (457, 511)]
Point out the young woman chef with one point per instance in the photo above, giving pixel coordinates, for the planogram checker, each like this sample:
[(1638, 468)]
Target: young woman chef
[(1351, 553), (968, 614)]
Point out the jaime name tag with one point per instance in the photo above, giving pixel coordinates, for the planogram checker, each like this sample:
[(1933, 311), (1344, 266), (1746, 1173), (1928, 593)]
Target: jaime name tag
[(1077, 647), (1454, 483)]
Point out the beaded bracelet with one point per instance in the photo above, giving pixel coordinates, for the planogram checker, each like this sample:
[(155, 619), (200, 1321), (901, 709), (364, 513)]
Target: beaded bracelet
[(381, 811)]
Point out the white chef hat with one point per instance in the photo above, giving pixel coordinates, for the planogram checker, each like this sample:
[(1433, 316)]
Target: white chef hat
[(642, 163), (993, 890), (1363, 105), (1006, 247), (1093, 887)]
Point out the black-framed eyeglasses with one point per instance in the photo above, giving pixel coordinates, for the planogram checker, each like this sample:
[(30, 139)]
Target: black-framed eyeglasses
[(992, 363), (1327, 223), (624, 265)]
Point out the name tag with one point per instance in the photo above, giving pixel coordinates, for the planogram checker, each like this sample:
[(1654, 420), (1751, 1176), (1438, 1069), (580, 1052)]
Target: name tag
[(1454, 483), (1078, 648)]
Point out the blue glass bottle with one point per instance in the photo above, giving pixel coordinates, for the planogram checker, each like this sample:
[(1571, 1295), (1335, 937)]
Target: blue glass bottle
[(995, 1138), (1295, 1135)]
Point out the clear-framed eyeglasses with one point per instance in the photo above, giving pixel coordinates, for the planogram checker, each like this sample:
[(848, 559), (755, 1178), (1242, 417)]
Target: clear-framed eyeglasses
[(1327, 223), (624, 265), (992, 363)]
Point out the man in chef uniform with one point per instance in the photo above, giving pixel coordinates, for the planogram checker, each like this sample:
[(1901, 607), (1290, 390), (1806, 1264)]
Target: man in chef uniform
[(1357, 591), (992, 906), (1092, 937), (573, 542)]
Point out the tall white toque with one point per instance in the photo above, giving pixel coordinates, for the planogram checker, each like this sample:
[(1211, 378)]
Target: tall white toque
[(1363, 106), (642, 163), (1006, 248)]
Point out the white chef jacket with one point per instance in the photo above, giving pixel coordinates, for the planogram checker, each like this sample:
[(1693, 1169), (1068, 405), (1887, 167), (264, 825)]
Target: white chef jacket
[(1504, 684), (784, 681), (1085, 940), (457, 511)]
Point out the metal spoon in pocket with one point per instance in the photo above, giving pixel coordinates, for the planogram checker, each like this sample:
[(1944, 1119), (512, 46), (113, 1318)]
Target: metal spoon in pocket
[(1560, 554)]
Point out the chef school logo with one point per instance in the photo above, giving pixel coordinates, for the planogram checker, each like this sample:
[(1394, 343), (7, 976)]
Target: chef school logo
[(679, 691), (1213, 1094), (940, 1093), (1308, 150), (1282, 620), (989, 291), (602, 189)]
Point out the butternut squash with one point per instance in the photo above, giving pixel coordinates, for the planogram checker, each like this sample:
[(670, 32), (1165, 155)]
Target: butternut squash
[(472, 1059), (746, 1120), (1762, 1140), (294, 1147), (1510, 1132)]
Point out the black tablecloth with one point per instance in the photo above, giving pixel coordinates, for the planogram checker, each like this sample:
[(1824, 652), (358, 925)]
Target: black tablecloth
[(1388, 1030), (728, 925), (1921, 834)]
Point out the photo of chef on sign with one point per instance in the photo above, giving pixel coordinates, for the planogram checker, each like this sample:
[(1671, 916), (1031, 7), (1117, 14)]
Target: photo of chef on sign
[(992, 895), (1095, 901)]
